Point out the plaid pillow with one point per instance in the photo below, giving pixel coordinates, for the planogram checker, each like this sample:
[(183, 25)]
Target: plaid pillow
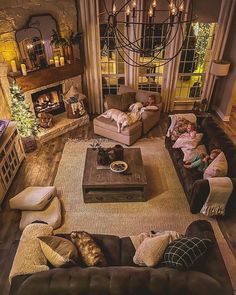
[(184, 253)]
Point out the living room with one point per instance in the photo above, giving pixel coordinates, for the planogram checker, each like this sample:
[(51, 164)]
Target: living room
[(117, 147)]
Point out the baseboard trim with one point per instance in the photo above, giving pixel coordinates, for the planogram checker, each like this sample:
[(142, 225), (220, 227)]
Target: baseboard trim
[(221, 115)]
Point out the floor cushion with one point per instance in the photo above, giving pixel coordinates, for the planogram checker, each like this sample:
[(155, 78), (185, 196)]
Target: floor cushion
[(51, 215), (33, 198), (29, 257)]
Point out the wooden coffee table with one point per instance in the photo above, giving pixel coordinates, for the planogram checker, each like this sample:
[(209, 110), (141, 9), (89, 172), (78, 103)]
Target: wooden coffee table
[(103, 185)]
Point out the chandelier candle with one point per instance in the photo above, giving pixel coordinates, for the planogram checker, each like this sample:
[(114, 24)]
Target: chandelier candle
[(172, 17)]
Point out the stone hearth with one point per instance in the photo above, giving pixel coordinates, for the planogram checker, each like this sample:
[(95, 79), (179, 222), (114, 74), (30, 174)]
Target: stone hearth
[(61, 125)]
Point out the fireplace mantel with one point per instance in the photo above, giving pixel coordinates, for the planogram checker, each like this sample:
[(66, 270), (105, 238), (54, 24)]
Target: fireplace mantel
[(49, 75)]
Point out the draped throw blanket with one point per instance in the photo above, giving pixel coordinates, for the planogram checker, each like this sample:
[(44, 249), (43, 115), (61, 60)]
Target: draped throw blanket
[(220, 190)]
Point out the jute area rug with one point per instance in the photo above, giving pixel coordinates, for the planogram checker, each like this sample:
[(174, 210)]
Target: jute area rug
[(166, 208)]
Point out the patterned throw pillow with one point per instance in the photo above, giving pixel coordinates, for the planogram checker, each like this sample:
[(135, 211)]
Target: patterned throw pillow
[(180, 128), (90, 252), (184, 253)]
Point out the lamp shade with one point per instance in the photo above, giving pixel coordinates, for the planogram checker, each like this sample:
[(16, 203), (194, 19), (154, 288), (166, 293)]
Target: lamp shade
[(220, 68)]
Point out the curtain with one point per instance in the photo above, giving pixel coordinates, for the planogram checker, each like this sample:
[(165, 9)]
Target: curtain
[(89, 11), (171, 70), (132, 72)]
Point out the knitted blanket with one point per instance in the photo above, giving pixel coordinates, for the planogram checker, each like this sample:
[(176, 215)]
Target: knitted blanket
[(220, 191)]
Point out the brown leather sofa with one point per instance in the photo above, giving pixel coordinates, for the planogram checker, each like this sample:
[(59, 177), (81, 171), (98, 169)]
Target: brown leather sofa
[(122, 277), (107, 128), (196, 188)]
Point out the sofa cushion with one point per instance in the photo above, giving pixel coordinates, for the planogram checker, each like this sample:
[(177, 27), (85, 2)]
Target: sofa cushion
[(106, 123), (150, 251), (120, 102), (51, 214), (142, 96), (184, 253), (217, 168), (58, 251), (185, 141), (33, 198)]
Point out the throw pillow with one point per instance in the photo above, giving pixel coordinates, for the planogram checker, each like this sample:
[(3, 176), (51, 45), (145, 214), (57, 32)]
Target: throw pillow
[(58, 251), (189, 154), (29, 257), (217, 168), (151, 250), (184, 253), (91, 253), (187, 142), (120, 102), (33, 198), (180, 127)]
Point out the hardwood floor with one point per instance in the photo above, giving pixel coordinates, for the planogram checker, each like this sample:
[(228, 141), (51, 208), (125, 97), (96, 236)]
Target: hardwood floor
[(40, 168)]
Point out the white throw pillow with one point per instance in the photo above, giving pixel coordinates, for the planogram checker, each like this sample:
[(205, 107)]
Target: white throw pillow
[(51, 214), (151, 250), (189, 154), (186, 142), (217, 168), (33, 198), (29, 256)]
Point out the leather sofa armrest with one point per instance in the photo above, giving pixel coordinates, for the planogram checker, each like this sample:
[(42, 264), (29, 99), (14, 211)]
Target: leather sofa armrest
[(200, 192)]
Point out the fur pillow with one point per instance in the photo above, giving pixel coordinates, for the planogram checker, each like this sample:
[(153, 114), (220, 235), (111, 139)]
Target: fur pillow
[(186, 142), (217, 168), (189, 154), (90, 252), (151, 250)]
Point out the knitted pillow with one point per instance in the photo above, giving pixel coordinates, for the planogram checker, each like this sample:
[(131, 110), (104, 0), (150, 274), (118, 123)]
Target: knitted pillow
[(184, 253), (90, 252)]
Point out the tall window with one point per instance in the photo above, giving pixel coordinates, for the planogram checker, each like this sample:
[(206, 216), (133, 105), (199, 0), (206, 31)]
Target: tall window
[(151, 78), (194, 61), (112, 65)]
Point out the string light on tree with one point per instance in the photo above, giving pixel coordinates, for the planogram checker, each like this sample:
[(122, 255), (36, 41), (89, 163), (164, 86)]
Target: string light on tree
[(27, 124)]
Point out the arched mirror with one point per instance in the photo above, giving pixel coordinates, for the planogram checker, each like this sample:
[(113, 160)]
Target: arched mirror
[(34, 41)]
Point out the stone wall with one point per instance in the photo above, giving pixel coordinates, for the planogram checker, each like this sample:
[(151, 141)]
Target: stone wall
[(15, 13), (13, 16)]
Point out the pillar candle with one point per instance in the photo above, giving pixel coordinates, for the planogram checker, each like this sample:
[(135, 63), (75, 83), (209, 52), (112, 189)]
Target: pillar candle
[(13, 66), (51, 61), (62, 60), (56, 58), (57, 64), (23, 69)]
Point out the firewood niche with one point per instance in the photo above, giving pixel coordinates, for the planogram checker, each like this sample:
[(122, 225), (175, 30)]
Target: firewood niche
[(50, 75)]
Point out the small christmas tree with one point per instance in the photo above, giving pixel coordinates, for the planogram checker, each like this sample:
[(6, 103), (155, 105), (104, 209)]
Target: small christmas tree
[(27, 124)]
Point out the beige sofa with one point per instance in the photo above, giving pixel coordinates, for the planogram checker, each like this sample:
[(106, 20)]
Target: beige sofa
[(126, 96)]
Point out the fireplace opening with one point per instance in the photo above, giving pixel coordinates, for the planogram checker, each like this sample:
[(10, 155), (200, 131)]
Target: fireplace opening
[(49, 100)]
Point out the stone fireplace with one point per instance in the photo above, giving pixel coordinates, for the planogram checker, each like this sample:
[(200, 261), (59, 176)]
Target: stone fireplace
[(49, 100)]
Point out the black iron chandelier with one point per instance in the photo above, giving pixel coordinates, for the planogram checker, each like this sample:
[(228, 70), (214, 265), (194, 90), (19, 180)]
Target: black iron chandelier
[(124, 25)]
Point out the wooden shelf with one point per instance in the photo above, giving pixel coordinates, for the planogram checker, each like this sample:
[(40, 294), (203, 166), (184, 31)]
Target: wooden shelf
[(49, 75)]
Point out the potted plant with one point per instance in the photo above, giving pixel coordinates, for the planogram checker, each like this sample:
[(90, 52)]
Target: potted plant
[(27, 123), (104, 155)]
